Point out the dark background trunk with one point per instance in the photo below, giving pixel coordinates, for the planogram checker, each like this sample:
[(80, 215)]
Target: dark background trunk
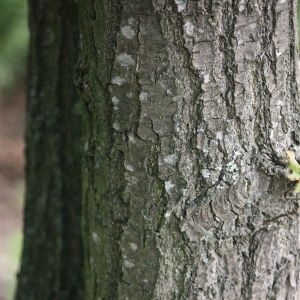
[(52, 254)]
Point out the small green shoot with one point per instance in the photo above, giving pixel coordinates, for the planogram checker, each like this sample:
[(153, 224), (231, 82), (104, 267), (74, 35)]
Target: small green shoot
[(295, 168)]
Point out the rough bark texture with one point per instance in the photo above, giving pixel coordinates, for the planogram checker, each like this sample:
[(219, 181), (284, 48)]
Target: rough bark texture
[(52, 260), (189, 107)]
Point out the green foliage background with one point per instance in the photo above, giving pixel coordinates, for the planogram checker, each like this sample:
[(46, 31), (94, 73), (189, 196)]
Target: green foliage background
[(298, 17), (13, 41)]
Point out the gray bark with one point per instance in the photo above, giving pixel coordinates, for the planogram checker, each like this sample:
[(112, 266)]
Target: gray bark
[(52, 259), (189, 107)]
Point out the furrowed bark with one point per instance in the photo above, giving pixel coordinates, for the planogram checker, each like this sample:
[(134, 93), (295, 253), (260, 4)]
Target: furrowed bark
[(52, 260), (189, 107)]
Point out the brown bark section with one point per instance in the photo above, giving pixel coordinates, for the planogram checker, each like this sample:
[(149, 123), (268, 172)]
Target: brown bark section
[(52, 260), (189, 107)]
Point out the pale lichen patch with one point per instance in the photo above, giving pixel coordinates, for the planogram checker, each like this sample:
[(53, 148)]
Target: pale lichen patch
[(219, 135), (242, 8), (133, 246), (206, 78), (205, 173), (167, 214), (128, 264), (95, 238), (170, 159), (118, 80), (169, 185), (197, 60), (128, 32), (129, 168), (181, 5), (144, 96), (116, 126), (125, 60), (86, 146), (189, 28), (115, 100), (131, 138)]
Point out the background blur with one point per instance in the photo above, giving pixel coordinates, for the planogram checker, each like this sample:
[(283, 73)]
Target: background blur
[(13, 48)]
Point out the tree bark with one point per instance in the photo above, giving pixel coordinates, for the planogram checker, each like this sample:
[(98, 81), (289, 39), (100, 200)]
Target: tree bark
[(189, 107), (52, 260)]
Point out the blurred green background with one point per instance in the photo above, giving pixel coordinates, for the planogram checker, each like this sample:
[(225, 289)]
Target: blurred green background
[(13, 52), (13, 41)]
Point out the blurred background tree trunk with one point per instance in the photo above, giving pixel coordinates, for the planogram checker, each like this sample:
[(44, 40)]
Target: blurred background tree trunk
[(189, 107), (52, 254)]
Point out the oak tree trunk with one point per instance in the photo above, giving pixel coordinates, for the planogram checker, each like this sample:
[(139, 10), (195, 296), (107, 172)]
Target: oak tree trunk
[(52, 259), (189, 107)]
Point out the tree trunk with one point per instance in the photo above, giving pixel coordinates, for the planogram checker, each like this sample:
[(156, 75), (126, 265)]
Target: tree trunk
[(189, 107), (52, 259)]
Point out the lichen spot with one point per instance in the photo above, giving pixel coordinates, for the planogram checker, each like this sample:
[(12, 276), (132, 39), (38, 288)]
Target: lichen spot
[(95, 238), (170, 159), (181, 5), (125, 60), (197, 60), (133, 246), (129, 168), (128, 264), (242, 8), (116, 126), (115, 100), (128, 32), (205, 173), (169, 186), (118, 80), (144, 96), (189, 28), (131, 138), (206, 78), (280, 103), (219, 135), (86, 146), (167, 214)]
